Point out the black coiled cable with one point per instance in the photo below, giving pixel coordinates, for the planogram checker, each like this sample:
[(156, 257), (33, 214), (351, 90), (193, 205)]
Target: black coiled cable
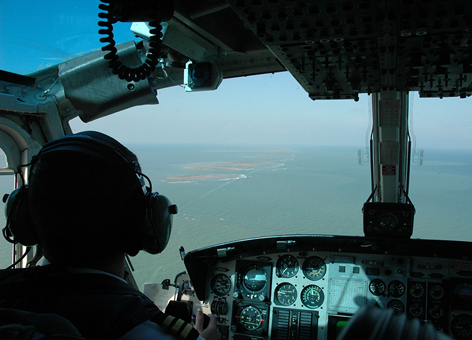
[(155, 46)]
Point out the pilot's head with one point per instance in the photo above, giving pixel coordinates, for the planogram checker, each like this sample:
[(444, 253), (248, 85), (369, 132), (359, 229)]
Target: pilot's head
[(86, 199), (86, 202)]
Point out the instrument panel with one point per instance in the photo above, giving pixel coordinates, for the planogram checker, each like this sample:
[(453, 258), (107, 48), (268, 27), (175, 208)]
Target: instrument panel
[(310, 293)]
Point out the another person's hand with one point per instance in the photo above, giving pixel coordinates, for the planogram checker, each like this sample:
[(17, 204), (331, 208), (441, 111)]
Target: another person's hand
[(211, 331)]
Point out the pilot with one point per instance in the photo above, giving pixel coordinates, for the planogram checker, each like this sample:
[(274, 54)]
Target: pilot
[(87, 205)]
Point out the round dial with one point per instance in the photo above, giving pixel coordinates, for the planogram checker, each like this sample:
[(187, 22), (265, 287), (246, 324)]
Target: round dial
[(463, 291), (312, 296), (250, 318), (396, 288), (397, 306), (220, 284), (461, 327), (287, 266), (255, 279), (314, 268), (416, 290), (416, 309), (286, 294), (436, 291), (377, 287), (388, 221), (436, 310)]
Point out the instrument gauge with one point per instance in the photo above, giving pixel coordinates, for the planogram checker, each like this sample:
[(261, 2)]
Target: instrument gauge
[(312, 296), (463, 291), (416, 309), (436, 291), (220, 284), (416, 290), (250, 318), (461, 327), (286, 294), (377, 287), (396, 288), (388, 221), (287, 266), (436, 310), (255, 279), (314, 268), (397, 306)]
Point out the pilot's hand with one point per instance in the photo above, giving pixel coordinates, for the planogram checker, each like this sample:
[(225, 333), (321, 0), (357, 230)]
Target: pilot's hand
[(210, 332)]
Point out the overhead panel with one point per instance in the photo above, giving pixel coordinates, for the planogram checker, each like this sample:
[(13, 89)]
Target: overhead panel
[(338, 49)]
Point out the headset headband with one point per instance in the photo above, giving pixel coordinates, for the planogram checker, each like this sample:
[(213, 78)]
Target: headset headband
[(94, 144)]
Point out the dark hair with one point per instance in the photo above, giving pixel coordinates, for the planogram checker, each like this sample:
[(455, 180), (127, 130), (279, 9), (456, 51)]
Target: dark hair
[(84, 208)]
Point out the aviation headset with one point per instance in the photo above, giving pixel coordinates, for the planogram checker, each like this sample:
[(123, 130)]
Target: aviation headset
[(157, 222)]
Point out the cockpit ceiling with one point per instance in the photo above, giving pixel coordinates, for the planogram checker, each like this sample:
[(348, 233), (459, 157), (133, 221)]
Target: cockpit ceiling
[(338, 49)]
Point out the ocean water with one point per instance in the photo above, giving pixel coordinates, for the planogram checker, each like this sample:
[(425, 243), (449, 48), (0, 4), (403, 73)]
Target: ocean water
[(227, 193)]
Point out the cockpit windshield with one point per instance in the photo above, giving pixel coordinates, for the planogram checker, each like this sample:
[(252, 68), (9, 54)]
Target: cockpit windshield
[(257, 156), (38, 35)]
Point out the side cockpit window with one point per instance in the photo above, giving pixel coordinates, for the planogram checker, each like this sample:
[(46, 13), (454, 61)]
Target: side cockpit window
[(7, 180)]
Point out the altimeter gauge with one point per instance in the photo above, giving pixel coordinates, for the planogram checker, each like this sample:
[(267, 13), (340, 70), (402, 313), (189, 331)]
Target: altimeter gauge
[(286, 294), (314, 268)]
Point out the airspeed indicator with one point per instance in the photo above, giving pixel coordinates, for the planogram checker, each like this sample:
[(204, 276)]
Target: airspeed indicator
[(287, 266)]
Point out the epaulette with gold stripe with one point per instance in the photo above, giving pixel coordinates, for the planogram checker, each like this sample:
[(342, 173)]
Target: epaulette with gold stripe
[(176, 326)]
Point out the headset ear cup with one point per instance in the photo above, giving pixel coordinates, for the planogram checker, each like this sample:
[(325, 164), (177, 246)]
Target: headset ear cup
[(158, 223), (19, 223)]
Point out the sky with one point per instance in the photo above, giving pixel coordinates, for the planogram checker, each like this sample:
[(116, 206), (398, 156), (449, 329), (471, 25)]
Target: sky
[(267, 109), (274, 109)]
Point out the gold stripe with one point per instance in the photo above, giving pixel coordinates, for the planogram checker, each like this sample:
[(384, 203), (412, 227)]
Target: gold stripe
[(186, 331), (168, 321), (177, 325)]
